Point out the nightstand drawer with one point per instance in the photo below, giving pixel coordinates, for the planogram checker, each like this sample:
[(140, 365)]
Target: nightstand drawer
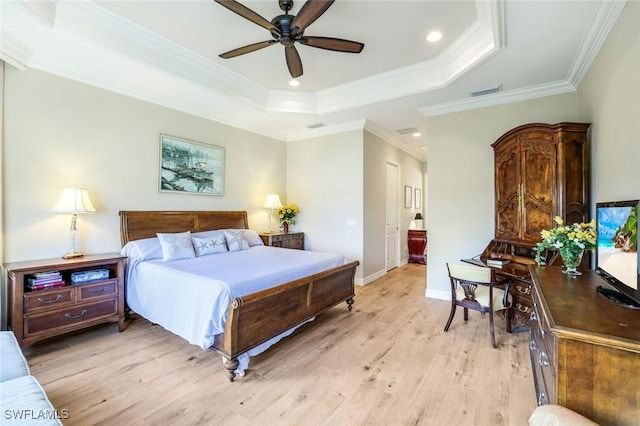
[(290, 240), (296, 241), (98, 290), (69, 317), (36, 301)]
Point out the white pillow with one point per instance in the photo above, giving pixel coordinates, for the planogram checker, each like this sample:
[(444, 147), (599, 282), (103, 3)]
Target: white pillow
[(176, 246), (251, 237), (210, 245), (145, 249), (235, 240)]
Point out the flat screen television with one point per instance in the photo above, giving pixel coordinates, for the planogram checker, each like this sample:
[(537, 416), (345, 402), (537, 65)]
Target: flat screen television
[(617, 251)]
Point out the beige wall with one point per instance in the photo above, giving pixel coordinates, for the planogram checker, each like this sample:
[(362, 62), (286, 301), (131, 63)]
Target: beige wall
[(61, 133), (461, 175), (325, 180), (610, 98)]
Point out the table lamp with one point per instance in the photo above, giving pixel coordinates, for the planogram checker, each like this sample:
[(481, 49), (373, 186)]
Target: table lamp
[(272, 202), (74, 201)]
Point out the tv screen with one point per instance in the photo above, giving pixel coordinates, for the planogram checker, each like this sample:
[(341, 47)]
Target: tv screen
[(617, 245)]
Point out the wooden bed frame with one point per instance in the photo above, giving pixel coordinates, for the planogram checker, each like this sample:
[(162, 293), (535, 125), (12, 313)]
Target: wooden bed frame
[(260, 316)]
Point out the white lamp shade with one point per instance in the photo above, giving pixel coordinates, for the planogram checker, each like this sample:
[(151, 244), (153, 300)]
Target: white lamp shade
[(74, 200), (272, 202)]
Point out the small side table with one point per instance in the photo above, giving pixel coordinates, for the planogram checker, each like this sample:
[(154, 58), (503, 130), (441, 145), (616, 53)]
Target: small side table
[(417, 243), (292, 240)]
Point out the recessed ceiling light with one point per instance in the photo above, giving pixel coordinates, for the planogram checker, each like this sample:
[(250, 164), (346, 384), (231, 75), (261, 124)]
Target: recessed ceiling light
[(294, 83), (416, 134), (434, 36)]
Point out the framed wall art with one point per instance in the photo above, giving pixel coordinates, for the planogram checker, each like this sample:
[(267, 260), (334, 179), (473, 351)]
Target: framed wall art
[(418, 202), (190, 167), (408, 196)]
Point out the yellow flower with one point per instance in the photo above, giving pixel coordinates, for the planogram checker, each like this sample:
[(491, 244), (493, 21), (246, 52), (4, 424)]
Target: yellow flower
[(558, 220)]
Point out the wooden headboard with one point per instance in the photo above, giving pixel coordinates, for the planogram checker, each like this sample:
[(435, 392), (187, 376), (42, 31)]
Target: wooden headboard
[(135, 225)]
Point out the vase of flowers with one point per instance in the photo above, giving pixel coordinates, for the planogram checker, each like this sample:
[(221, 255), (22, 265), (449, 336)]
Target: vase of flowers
[(287, 216), (571, 241)]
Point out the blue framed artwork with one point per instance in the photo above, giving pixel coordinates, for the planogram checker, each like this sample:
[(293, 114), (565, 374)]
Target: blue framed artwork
[(190, 167)]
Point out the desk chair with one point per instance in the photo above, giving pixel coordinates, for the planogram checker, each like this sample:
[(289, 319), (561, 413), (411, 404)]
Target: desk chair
[(475, 288)]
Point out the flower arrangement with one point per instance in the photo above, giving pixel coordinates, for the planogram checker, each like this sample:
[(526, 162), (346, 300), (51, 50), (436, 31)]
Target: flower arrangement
[(288, 213), (570, 240)]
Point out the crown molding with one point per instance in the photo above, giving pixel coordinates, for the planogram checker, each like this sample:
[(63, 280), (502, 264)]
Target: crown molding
[(532, 92), (14, 52), (481, 40), (603, 21)]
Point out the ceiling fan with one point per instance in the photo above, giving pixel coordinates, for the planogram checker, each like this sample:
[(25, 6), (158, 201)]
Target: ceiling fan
[(288, 29)]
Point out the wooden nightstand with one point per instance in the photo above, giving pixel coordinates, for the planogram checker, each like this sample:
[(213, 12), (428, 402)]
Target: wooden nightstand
[(292, 240), (37, 314)]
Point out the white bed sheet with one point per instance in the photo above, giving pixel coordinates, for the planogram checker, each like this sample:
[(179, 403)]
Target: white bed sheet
[(190, 297)]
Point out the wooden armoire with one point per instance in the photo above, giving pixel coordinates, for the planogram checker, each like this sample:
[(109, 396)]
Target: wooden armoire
[(541, 171)]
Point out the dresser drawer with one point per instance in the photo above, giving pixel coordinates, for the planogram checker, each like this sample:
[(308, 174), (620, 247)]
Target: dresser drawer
[(70, 316), (41, 300), (98, 290)]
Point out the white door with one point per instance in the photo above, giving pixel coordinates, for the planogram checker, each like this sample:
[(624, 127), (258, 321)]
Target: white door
[(392, 216)]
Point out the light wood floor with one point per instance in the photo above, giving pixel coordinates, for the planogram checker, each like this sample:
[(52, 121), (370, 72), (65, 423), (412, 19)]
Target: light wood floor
[(386, 363)]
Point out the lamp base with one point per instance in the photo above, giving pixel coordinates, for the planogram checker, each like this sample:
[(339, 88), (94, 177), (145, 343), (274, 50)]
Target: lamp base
[(72, 255)]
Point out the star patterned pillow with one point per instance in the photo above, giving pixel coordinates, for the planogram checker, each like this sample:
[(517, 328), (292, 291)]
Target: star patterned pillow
[(235, 241), (209, 245)]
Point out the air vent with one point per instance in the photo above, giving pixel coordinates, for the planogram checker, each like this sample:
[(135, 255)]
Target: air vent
[(315, 125), (486, 91), (407, 131)]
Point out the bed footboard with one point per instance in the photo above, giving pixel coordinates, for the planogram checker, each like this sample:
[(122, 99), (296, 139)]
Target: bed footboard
[(258, 317)]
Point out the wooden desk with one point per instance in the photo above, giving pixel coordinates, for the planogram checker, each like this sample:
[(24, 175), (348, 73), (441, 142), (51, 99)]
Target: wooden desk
[(585, 349)]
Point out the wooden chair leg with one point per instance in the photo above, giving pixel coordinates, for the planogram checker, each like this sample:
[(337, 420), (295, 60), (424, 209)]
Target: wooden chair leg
[(508, 318), (493, 336), (466, 314), (453, 312)]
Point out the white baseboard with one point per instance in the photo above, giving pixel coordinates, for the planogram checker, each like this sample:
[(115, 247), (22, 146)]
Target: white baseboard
[(438, 294)]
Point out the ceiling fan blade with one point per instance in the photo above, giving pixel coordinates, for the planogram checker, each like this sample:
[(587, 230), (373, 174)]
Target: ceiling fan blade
[(329, 43), (294, 63), (249, 14), (308, 13), (246, 49)]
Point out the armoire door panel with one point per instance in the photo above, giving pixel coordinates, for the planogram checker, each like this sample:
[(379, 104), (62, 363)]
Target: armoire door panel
[(536, 217), (508, 221)]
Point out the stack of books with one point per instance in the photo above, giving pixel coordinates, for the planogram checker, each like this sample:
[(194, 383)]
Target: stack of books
[(497, 262), (41, 280)]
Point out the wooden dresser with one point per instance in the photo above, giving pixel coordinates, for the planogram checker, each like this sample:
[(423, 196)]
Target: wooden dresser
[(585, 349), (541, 171), (38, 314), (292, 240)]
